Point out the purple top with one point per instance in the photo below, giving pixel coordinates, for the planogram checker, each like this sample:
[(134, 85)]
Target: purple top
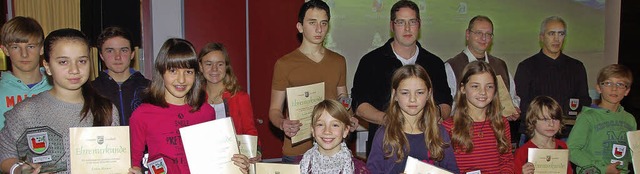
[(376, 163)]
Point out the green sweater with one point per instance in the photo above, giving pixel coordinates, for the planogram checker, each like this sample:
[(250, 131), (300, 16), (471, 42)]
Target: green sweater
[(593, 138)]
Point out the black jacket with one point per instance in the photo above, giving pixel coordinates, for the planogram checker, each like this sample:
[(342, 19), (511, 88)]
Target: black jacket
[(372, 81), (127, 97)]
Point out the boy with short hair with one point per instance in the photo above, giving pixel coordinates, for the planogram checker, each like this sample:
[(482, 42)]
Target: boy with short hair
[(21, 39), (120, 83), (301, 67), (598, 141)]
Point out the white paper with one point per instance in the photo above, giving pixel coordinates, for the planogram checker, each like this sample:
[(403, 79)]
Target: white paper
[(633, 137), (209, 147), (277, 168), (415, 166), (248, 146)]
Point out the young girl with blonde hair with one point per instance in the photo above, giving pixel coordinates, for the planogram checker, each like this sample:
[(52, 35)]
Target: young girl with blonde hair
[(411, 126), (330, 154), (224, 93)]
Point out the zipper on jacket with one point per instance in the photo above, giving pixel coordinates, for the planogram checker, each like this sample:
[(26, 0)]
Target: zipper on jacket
[(122, 119)]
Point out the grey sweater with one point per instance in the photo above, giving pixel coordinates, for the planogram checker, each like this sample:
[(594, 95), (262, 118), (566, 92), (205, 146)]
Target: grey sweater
[(43, 110)]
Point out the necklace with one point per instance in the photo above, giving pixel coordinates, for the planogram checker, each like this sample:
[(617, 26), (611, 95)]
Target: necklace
[(213, 100), (480, 132)]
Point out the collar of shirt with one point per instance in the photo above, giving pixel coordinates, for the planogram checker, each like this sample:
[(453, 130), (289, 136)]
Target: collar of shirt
[(411, 60), (472, 58)]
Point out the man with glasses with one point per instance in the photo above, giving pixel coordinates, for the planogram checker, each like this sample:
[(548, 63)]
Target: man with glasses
[(372, 81), (552, 73), (479, 36)]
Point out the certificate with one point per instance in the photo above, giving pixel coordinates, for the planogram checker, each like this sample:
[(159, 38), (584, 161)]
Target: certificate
[(505, 98), (634, 143), (300, 101), (415, 166), (248, 146), (549, 160), (209, 146), (277, 168), (100, 149)]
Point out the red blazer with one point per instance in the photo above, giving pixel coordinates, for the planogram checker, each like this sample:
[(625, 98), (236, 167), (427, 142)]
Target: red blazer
[(239, 108)]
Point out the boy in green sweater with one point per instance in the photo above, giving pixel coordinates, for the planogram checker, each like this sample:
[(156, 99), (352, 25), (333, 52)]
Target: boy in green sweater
[(598, 141)]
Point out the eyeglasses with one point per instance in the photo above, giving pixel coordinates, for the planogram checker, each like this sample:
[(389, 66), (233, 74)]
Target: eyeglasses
[(481, 34), (548, 120), (618, 85), (402, 22)]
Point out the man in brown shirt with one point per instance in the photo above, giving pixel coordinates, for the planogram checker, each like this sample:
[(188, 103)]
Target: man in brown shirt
[(309, 64)]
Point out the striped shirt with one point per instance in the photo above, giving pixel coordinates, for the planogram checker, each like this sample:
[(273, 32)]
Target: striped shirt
[(485, 156)]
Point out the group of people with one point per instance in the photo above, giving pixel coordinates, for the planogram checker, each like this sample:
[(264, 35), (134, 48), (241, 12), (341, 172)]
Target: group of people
[(185, 89), (447, 114)]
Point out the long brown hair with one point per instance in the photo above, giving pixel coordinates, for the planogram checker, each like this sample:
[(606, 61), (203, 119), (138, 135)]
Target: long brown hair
[(176, 53), (462, 121), (100, 107), (395, 141), (230, 81)]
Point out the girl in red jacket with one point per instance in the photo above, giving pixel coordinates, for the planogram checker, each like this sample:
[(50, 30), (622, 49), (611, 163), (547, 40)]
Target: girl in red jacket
[(224, 92)]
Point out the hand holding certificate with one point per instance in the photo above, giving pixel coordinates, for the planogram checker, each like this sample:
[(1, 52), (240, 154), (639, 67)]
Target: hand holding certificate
[(100, 149), (549, 160), (248, 146), (415, 166), (300, 101), (209, 146)]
